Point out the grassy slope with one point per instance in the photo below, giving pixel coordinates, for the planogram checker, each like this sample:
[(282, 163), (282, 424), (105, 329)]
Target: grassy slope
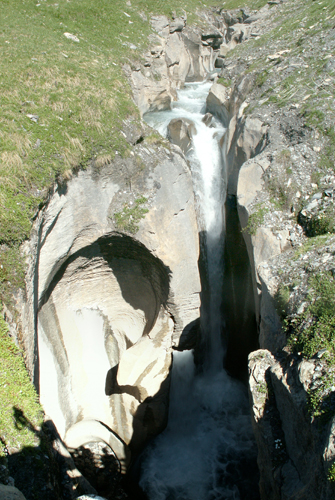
[(16, 393)]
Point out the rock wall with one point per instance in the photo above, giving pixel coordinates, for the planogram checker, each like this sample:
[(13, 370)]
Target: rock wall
[(272, 160), (177, 54), (293, 451), (105, 307)]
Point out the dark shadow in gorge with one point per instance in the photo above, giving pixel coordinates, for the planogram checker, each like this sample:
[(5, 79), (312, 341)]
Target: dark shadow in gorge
[(238, 298), (239, 326)]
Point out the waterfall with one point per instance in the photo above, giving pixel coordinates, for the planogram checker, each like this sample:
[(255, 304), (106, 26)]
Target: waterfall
[(207, 450)]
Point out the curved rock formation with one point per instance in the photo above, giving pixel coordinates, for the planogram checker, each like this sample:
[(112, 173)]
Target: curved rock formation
[(110, 305)]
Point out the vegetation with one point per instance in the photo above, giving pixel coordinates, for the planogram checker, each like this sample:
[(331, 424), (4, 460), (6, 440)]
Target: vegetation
[(282, 298), (313, 330), (224, 82), (16, 395), (322, 222), (331, 473), (128, 219), (256, 219)]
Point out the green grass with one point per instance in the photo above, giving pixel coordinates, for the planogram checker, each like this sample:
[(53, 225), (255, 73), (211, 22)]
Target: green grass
[(128, 219), (255, 219), (224, 82), (17, 397), (314, 329), (311, 244)]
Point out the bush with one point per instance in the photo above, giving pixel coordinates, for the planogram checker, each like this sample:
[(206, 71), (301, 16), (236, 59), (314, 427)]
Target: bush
[(314, 329)]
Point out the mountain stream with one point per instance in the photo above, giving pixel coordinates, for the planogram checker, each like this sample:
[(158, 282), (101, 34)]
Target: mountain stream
[(207, 451)]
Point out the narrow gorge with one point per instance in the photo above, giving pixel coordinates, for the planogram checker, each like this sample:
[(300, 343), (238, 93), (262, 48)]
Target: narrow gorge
[(158, 282)]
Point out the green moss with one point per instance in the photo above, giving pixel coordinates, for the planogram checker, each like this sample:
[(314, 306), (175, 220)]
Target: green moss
[(17, 396), (262, 77), (322, 223), (282, 298), (255, 219), (224, 82), (331, 473), (314, 329), (128, 219)]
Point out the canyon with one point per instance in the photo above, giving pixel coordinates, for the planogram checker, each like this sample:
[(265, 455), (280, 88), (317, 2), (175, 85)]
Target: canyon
[(117, 274)]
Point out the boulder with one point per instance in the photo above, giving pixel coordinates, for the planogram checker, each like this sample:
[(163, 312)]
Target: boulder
[(177, 24), (224, 49), (233, 16), (217, 102), (237, 34), (150, 95), (213, 38), (180, 132), (219, 62), (246, 137), (207, 119), (10, 493), (161, 25)]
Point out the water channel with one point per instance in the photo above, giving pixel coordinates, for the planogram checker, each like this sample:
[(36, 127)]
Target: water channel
[(207, 451)]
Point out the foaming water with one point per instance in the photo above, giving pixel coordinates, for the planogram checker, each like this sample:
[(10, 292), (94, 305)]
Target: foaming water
[(207, 450)]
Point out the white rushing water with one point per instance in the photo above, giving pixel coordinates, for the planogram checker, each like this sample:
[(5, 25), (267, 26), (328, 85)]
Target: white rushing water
[(207, 451)]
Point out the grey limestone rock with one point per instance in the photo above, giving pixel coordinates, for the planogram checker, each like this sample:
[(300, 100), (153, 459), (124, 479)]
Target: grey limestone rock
[(180, 132), (108, 305)]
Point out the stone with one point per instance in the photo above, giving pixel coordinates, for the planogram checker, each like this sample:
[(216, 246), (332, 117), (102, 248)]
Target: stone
[(232, 16), (250, 183), (224, 49), (180, 132), (69, 36), (237, 34), (113, 304), (177, 24), (10, 493), (219, 62), (207, 119), (160, 24), (213, 38), (217, 102), (91, 431), (150, 95)]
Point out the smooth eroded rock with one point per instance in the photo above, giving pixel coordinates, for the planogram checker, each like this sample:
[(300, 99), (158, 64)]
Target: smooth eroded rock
[(180, 132)]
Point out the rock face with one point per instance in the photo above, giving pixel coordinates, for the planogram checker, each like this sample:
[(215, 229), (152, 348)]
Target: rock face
[(293, 450), (282, 197), (177, 54), (110, 305)]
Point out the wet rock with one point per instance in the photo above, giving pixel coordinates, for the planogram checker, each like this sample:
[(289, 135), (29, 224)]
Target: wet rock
[(180, 132), (217, 102), (207, 119)]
